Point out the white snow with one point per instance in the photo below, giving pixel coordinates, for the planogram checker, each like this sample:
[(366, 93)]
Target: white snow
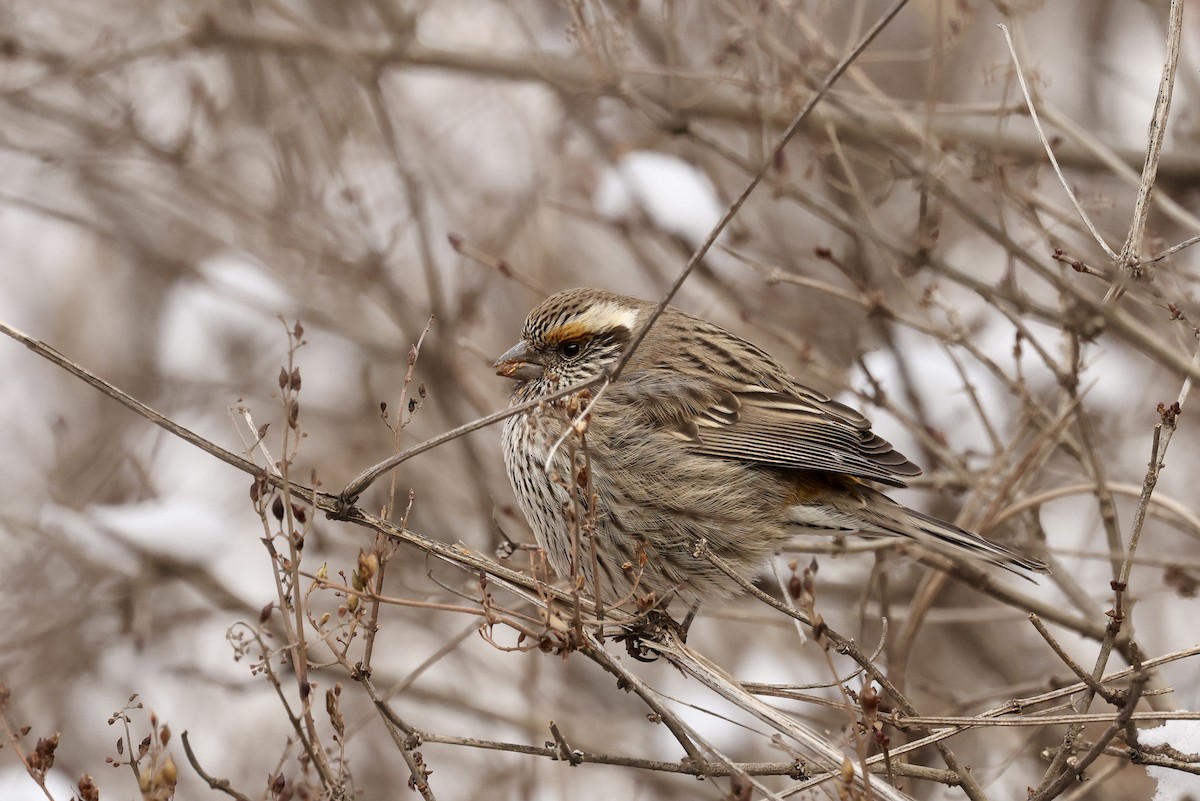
[(674, 194), (15, 785), (1174, 785), (236, 303)]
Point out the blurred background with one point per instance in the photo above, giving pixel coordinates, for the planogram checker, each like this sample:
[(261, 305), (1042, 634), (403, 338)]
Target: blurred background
[(182, 182)]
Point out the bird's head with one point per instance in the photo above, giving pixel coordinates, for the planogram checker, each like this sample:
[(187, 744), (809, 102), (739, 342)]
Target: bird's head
[(571, 337)]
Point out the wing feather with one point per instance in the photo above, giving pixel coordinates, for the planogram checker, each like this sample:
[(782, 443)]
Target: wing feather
[(789, 427)]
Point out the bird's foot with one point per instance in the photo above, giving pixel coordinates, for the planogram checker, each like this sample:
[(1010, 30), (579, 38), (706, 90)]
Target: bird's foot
[(654, 626)]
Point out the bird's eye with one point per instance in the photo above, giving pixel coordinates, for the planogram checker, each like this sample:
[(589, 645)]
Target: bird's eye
[(570, 350)]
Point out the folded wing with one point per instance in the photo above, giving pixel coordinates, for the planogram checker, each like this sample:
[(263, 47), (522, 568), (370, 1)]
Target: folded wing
[(784, 427)]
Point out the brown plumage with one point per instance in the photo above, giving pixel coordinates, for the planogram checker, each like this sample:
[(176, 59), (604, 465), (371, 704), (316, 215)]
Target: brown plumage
[(703, 436)]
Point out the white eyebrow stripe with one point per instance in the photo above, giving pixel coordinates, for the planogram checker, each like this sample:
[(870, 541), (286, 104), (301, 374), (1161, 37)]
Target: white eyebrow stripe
[(607, 316)]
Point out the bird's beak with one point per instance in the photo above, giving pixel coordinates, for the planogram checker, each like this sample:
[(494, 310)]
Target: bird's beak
[(517, 362)]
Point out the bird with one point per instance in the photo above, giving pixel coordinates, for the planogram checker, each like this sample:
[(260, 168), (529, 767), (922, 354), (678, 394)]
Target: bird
[(702, 444)]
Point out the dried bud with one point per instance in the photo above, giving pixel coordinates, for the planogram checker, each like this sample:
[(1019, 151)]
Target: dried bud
[(283, 377), (870, 701), (277, 507), (368, 565), (87, 788), (42, 758), (335, 714)]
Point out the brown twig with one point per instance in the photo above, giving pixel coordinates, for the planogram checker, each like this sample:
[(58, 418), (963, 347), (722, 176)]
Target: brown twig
[(406, 739), (1131, 251), (220, 785)]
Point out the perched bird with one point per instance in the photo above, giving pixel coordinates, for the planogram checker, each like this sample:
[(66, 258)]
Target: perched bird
[(702, 438)]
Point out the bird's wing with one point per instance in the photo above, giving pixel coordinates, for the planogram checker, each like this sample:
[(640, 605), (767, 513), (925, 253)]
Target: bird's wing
[(792, 427)]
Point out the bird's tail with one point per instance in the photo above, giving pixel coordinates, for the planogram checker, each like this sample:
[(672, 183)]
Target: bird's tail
[(949, 537), (873, 514)]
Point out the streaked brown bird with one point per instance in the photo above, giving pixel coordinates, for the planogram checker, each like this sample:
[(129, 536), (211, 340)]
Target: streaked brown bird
[(703, 437)]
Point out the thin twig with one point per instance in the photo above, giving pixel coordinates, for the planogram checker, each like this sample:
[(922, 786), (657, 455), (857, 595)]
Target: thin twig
[(127, 400), (1020, 721), (1080, 673), (1131, 251), (678, 729), (405, 737), (221, 785), (1062, 179), (685, 767), (364, 479), (566, 752)]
